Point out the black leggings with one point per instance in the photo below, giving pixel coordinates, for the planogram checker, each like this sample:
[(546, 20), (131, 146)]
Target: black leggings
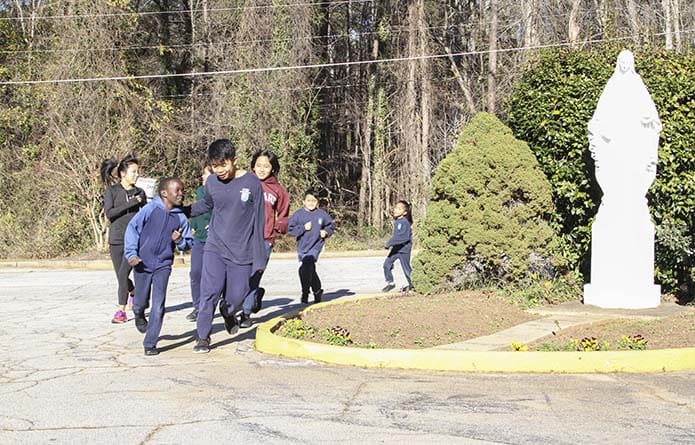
[(122, 269), (308, 276)]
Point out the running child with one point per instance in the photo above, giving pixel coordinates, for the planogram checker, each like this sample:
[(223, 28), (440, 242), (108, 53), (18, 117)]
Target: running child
[(122, 200), (150, 240), (401, 244), (234, 250), (311, 226), (265, 166), (199, 227)]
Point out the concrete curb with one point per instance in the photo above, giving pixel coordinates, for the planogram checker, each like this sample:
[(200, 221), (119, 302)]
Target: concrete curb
[(662, 360)]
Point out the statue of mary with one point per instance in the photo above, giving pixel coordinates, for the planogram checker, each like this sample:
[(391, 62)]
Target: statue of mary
[(623, 140)]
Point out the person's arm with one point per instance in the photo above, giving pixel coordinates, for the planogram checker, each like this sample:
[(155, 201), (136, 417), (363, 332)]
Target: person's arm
[(327, 229), (201, 206), (132, 236), (282, 207), (185, 242), (258, 240), (296, 227), (401, 233)]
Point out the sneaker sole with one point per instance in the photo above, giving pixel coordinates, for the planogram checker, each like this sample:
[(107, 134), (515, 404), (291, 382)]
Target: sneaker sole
[(118, 321), (201, 351)]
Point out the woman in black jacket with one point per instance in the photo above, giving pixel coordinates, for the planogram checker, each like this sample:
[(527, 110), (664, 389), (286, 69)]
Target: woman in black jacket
[(122, 200)]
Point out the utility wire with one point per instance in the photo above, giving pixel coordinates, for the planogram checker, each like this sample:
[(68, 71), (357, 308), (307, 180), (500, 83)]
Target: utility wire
[(183, 11), (313, 66)]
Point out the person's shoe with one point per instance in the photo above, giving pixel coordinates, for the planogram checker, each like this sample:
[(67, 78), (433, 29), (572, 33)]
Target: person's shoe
[(230, 324), (305, 299), (389, 287), (245, 321), (202, 346), (193, 316), (151, 351), (119, 317), (257, 302), (406, 289), (318, 295), (141, 323)]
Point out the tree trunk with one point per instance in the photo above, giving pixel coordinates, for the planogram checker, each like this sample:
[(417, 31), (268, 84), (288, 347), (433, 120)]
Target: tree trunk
[(573, 28), (492, 59)]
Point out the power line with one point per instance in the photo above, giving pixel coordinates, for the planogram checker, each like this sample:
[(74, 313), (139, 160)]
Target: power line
[(313, 66), (183, 11)]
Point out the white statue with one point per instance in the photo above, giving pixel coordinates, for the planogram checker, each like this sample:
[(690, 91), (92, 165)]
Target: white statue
[(623, 140)]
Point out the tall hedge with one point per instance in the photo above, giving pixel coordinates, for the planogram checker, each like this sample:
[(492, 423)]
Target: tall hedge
[(550, 109), (486, 215)]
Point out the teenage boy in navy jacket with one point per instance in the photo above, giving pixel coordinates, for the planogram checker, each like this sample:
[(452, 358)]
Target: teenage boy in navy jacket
[(235, 249), (150, 239), (311, 226)]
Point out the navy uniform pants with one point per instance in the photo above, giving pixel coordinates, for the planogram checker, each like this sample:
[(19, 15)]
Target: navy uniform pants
[(151, 289)]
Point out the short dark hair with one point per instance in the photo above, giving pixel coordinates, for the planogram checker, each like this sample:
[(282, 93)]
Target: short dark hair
[(272, 158), (164, 183), (313, 192), (221, 150)]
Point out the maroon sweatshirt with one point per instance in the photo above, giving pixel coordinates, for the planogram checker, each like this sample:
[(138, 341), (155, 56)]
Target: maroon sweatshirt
[(277, 209)]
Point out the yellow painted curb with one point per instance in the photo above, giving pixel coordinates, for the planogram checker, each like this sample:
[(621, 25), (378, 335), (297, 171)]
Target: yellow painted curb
[(660, 360)]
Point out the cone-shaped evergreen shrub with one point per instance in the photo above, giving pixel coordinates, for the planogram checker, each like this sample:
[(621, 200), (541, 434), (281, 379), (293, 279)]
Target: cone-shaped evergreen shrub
[(486, 218)]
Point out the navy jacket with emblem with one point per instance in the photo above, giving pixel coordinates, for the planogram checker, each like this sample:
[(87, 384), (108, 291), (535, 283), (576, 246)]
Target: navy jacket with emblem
[(236, 226), (309, 242), (402, 239)]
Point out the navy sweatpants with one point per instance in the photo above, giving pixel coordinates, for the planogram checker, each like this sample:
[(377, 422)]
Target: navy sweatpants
[(151, 286), (404, 259), (220, 275), (196, 271), (256, 281)]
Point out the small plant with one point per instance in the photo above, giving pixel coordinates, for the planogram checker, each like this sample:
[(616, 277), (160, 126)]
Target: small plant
[(518, 346), (369, 345), (552, 347), (296, 328), (587, 344), (337, 336), (634, 342)]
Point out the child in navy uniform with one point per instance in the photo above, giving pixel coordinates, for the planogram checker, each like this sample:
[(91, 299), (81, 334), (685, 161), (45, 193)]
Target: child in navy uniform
[(199, 227), (234, 250), (149, 248), (400, 245), (311, 226)]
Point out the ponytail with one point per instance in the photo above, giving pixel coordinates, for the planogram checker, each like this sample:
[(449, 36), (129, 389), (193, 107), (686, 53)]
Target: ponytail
[(106, 170)]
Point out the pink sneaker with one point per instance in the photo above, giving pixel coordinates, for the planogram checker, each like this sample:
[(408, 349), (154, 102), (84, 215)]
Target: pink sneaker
[(119, 317)]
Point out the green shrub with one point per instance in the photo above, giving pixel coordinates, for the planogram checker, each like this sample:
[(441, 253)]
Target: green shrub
[(550, 108), (486, 217)]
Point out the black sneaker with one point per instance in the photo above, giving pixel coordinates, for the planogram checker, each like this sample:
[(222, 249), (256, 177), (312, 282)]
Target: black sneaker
[(245, 321), (202, 346), (257, 302), (193, 316), (230, 323), (317, 296), (388, 288), (305, 299), (151, 351), (141, 323)]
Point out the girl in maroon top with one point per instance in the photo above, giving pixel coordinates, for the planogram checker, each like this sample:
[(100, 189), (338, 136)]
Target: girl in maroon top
[(265, 166)]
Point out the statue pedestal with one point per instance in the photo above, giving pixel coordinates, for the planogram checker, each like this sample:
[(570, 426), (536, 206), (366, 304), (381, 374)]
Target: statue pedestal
[(632, 297)]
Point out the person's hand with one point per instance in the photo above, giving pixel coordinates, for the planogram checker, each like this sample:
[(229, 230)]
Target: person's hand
[(134, 261), (323, 233), (307, 226), (138, 198), (176, 235)]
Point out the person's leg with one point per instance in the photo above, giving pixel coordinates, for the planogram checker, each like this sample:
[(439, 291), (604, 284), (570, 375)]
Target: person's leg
[(252, 302), (212, 283), (122, 270), (143, 281), (404, 259), (316, 285), (388, 272), (160, 280), (306, 273), (236, 290), (195, 276)]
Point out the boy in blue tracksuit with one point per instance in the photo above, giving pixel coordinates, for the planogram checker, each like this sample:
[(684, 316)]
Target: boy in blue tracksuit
[(150, 239), (400, 245), (311, 226)]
